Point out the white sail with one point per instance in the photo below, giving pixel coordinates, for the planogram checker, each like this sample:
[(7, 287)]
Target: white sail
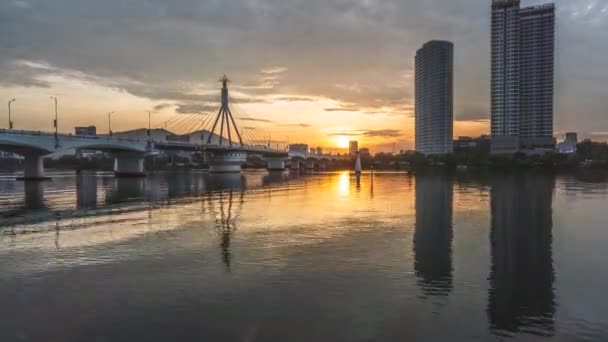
[(358, 167)]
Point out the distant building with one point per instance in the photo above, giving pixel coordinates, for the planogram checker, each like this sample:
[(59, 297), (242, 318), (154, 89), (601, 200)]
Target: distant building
[(523, 43), (365, 153), (568, 146), (464, 143), (9, 155), (572, 137), (468, 144), (89, 154), (178, 138), (90, 131), (353, 147), (434, 97), (319, 151), (299, 148)]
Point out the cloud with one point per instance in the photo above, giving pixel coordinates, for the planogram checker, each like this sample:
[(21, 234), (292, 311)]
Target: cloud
[(377, 133), (301, 125), (473, 115), (193, 108), (318, 49), (248, 119), (344, 134), (274, 70), (383, 133), (397, 107), (22, 4), (287, 98), (267, 79), (341, 109), (162, 106), (23, 74)]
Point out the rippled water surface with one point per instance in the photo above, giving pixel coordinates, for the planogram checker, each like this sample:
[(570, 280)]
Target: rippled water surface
[(321, 257)]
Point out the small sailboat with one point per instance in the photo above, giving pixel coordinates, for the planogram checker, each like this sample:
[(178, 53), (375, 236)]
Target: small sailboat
[(358, 167)]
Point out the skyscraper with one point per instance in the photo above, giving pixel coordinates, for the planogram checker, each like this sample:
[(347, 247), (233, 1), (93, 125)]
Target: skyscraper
[(434, 97), (523, 44), (353, 147)]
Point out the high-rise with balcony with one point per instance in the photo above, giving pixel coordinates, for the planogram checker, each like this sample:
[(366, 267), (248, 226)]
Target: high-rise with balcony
[(523, 44), (434, 97)]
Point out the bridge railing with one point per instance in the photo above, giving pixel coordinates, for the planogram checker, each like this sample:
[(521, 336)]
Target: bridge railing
[(69, 135), (247, 148)]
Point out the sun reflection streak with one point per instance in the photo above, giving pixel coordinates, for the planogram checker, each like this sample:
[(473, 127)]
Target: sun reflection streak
[(344, 184)]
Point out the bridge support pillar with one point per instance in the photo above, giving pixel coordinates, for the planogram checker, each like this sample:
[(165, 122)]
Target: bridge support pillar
[(309, 164), (295, 164), (33, 168), (226, 161), (276, 164), (129, 165)]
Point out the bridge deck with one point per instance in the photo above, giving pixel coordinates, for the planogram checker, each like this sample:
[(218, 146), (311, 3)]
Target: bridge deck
[(155, 144)]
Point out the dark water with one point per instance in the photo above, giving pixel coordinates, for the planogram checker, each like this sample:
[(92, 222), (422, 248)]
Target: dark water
[(278, 257)]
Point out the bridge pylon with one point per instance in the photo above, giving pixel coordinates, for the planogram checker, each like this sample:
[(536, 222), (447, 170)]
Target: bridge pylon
[(225, 158), (226, 119)]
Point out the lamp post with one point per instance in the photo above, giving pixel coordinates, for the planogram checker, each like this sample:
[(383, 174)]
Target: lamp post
[(55, 122), (110, 123), (149, 124), (10, 120)]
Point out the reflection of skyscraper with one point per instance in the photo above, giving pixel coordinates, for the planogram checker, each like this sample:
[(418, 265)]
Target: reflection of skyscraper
[(433, 236), (521, 278)]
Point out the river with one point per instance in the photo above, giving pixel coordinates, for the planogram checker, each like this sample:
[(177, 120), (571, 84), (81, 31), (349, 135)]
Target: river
[(190, 256)]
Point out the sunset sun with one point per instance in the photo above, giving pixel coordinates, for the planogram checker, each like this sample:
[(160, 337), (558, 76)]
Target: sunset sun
[(342, 141)]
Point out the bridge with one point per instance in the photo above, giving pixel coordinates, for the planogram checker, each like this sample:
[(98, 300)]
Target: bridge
[(224, 156)]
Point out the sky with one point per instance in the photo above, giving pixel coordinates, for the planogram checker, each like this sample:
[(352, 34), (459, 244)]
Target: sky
[(321, 72)]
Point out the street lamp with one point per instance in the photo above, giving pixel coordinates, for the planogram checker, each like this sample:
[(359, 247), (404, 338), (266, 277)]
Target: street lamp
[(55, 123), (149, 123), (110, 123), (10, 121)]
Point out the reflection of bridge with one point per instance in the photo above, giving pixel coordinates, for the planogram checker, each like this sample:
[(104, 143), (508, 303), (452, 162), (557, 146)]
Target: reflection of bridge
[(226, 156)]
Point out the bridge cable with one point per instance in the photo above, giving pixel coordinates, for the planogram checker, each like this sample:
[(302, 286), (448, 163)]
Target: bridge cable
[(176, 125)]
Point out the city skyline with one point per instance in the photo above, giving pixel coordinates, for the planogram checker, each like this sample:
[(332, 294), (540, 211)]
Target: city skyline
[(167, 58)]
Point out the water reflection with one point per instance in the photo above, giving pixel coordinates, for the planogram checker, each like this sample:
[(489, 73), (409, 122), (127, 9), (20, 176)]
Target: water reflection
[(34, 195), (521, 296), (225, 207), (275, 177), (125, 190), (86, 191), (433, 235), (218, 182), (182, 184), (223, 264)]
